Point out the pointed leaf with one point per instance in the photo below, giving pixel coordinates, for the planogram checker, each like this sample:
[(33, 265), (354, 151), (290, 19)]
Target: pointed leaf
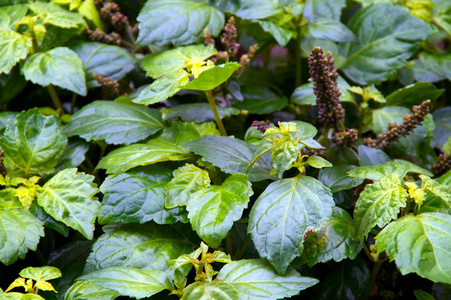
[(213, 211), (84, 290), (440, 190), (316, 9), (32, 143), (69, 198), (414, 94), (198, 112), (281, 34), (377, 172), (130, 282), (318, 162), (19, 231), (116, 123), (211, 78), (390, 114), (14, 47), (283, 213), (54, 15), (59, 66), (178, 22), (40, 274), (283, 154), (336, 178), (378, 204), (419, 244)]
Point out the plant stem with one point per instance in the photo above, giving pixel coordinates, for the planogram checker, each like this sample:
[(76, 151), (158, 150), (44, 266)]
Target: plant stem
[(72, 103), (243, 248), (298, 53), (229, 244), (55, 99), (215, 112), (376, 267)]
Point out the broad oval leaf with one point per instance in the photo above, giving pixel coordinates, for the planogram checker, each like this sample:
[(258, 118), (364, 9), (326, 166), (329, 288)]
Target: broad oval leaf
[(198, 112), (283, 213), (13, 48), (11, 14), (106, 60), (60, 66), (32, 143), (116, 123), (130, 282), (260, 100), (337, 179), (19, 231), (211, 78), (83, 290), (178, 22), (384, 46), (69, 198), (213, 210), (414, 94), (283, 154), (281, 34), (40, 273), (52, 14), (330, 29), (419, 244), (377, 172), (378, 204)]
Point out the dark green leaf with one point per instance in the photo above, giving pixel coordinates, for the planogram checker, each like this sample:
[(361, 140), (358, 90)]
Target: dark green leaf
[(13, 48), (372, 156), (419, 244), (211, 78), (198, 112), (283, 213), (74, 154), (260, 100), (337, 179), (11, 85), (281, 34), (178, 22), (442, 129), (116, 123), (414, 94), (251, 9), (47, 220), (303, 95), (422, 295), (330, 29)]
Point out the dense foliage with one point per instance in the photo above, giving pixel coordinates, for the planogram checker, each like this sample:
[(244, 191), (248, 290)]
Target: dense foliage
[(241, 149)]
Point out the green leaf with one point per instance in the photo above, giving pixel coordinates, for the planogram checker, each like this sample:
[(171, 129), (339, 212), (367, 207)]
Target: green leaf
[(368, 93), (162, 88), (11, 84), (52, 14), (330, 29), (89, 11), (422, 295), (169, 61), (337, 179), (317, 9), (283, 213), (384, 46), (303, 95), (147, 246), (213, 210), (19, 231), (135, 197), (84, 290), (442, 129), (105, 60), (14, 47), (59, 66), (419, 244), (281, 34), (251, 9), (231, 156), (318, 162), (47, 220), (20, 296), (260, 100), (69, 198), (74, 154), (390, 114), (116, 123), (283, 154), (11, 14), (377, 172), (414, 94), (130, 282), (40, 274), (372, 156), (378, 204), (198, 112), (178, 22), (440, 190), (211, 78), (250, 279), (187, 180), (32, 143), (334, 241)]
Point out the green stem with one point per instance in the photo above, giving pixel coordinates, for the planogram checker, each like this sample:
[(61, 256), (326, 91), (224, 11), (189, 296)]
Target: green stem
[(229, 244), (376, 267), (55, 99), (72, 103), (243, 248), (298, 53), (215, 112)]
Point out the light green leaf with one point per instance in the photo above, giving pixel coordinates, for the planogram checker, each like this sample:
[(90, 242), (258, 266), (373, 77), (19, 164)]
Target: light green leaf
[(106, 60), (368, 93), (281, 34), (250, 279), (422, 295), (384, 46), (169, 61), (198, 112), (19, 231), (178, 22), (89, 11), (13, 48), (378, 204), (337, 179), (440, 190), (59, 66), (20, 296), (414, 94), (377, 172), (40, 274), (334, 241), (419, 244), (32, 143), (283, 213), (213, 210), (231, 156), (52, 14), (84, 290), (130, 282), (116, 123), (211, 78), (69, 198), (318, 162), (187, 180), (283, 154), (330, 29), (10, 14), (390, 114), (413, 168), (260, 100)]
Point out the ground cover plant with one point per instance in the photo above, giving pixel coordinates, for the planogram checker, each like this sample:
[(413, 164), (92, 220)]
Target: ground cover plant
[(241, 149)]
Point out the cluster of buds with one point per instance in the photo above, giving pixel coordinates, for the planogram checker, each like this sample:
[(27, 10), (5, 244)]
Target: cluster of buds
[(347, 138), (2, 167), (261, 125), (245, 59), (209, 40), (110, 12), (395, 131), (310, 152), (111, 89), (443, 164), (98, 35), (324, 75), (229, 38)]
